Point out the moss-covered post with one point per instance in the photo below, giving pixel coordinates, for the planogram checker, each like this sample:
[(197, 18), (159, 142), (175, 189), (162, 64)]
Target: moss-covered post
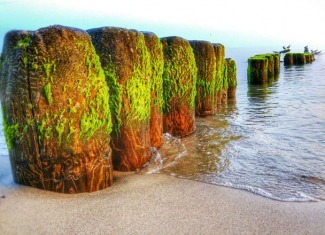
[(56, 115), (257, 71), (221, 93), (270, 69), (276, 58), (232, 78), (157, 66), (299, 59), (206, 73), (179, 85), (126, 63), (288, 59)]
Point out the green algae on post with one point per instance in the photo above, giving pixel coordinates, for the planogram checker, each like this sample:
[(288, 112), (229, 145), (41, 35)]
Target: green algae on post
[(231, 78), (219, 50), (127, 65), (179, 86), (257, 71), (49, 146), (206, 77), (157, 66)]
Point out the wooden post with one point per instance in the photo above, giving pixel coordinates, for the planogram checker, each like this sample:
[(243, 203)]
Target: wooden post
[(232, 78), (221, 94), (126, 62), (288, 59), (257, 71), (276, 58), (55, 105), (299, 59), (157, 65), (206, 77), (179, 81)]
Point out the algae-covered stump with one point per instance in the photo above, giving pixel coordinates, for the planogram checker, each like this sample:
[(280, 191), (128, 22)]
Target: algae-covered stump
[(220, 90), (288, 59), (206, 77), (56, 113), (126, 63), (232, 78), (157, 66), (257, 71), (299, 58), (179, 86)]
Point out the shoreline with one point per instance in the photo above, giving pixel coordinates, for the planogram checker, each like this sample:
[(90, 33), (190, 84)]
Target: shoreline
[(152, 204)]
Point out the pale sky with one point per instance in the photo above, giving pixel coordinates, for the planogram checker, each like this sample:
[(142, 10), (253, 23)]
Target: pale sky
[(234, 23)]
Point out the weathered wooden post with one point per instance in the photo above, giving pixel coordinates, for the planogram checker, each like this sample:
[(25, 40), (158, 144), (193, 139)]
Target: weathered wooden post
[(206, 77), (221, 93), (179, 84), (126, 63), (276, 58), (257, 71), (157, 66), (270, 69), (288, 59), (299, 59), (55, 105), (232, 78)]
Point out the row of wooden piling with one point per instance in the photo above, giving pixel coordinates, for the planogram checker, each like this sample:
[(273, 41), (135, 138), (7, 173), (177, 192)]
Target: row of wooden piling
[(298, 58), (75, 103)]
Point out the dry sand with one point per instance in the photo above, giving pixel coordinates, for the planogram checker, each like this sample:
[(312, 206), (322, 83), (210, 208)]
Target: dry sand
[(151, 204)]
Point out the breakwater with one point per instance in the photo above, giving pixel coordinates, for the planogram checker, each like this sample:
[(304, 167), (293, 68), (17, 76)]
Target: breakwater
[(77, 102)]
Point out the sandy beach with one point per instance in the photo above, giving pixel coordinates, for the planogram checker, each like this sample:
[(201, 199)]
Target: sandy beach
[(151, 204)]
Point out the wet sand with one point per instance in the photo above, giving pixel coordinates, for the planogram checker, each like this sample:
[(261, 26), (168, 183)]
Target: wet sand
[(151, 204)]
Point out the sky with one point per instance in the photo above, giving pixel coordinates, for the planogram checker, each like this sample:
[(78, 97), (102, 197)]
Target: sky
[(234, 23)]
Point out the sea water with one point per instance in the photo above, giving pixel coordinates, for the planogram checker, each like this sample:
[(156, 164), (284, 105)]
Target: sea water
[(271, 141)]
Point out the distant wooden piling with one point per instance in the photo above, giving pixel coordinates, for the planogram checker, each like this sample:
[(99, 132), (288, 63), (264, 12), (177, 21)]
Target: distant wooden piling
[(179, 84), (206, 77), (263, 68), (231, 76), (126, 62), (55, 105), (298, 58)]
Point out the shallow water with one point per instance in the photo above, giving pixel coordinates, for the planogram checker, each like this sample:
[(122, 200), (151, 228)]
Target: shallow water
[(270, 142)]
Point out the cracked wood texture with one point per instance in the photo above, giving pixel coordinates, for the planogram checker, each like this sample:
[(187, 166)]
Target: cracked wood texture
[(126, 62), (55, 108)]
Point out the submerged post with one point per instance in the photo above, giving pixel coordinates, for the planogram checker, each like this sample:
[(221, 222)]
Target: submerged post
[(179, 82), (55, 105), (126, 63), (206, 77)]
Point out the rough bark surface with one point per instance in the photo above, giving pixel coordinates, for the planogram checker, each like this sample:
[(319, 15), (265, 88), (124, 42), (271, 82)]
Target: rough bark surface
[(55, 107), (179, 81), (126, 62)]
